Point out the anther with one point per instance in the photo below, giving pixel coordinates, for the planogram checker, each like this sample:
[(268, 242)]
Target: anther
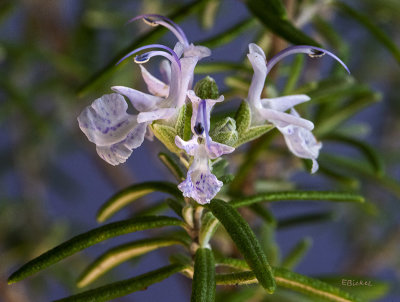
[(315, 53), (150, 22), (143, 58)]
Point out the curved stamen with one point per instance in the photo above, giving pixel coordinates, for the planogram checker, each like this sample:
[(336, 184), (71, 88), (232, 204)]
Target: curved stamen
[(166, 22), (312, 51), (146, 56)]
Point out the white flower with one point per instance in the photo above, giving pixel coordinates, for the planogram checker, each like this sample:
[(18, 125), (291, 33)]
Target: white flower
[(200, 184), (296, 130)]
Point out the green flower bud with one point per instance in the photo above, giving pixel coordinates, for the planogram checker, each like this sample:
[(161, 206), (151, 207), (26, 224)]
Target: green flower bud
[(206, 88), (224, 132)]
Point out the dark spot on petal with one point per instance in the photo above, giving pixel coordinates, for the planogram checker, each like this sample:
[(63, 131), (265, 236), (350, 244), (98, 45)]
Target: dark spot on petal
[(199, 129)]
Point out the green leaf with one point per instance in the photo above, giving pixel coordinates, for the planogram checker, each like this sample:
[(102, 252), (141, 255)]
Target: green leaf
[(239, 84), (369, 153), (219, 167), (297, 253), (243, 118), (245, 240), (172, 166), (342, 178), (122, 253), (208, 68), (132, 193), (153, 209), (253, 133), (312, 287), (305, 219), (273, 15), (175, 206), (224, 132), (375, 289), (182, 126), (294, 74), (269, 244), (284, 278), (239, 264), (208, 14), (90, 238), (144, 39), (203, 285), (227, 35), (355, 105), (298, 195), (166, 135), (209, 225), (125, 287), (375, 30), (360, 168), (264, 213)]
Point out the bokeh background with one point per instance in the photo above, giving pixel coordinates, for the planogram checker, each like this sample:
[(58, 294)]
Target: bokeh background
[(52, 181)]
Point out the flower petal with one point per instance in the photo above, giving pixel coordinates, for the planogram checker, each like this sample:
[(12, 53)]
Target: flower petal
[(285, 102), (201, 185), (141, 101), (158, 114), (257, 59), (215, 149), (189, 146), (178, 49), (282, 119), (302, 143), (106, 122), (118, 153), (197, 51), (154, 85), (165, 70)]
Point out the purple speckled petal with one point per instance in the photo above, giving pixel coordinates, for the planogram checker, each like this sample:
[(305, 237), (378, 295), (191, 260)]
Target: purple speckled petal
[(141, 101), (200, 185), (118, 153), (284, 103), (154, 85), (106, 122), (189, 146), (158, 114)]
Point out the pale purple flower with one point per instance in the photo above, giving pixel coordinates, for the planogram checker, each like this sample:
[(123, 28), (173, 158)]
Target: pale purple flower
[(296, 130), (200, 184), (177, 81), (106, 122), (115, 132)]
